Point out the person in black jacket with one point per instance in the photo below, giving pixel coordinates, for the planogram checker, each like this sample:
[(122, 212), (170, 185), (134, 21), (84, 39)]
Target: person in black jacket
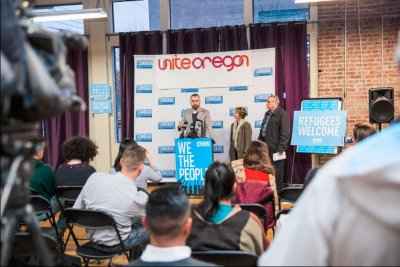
[(169, 224), (275, 132)]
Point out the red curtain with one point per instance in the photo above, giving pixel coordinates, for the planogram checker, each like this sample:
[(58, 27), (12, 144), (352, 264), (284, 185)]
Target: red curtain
[(58, 129)]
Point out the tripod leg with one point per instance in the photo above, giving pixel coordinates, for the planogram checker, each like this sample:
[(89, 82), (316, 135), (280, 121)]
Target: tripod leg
[(8, 237), (42, 250)]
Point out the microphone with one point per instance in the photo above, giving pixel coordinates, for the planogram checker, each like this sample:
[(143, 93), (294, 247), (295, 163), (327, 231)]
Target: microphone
[(183, 125)]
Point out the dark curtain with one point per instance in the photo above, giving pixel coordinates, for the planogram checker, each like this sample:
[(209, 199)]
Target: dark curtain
[(233, 38), (140, 43), (203, 40), (57, 129), (192, 40), (291, 78)]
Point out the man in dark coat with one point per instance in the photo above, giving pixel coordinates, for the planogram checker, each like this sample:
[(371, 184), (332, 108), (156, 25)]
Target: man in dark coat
[(275, 131)]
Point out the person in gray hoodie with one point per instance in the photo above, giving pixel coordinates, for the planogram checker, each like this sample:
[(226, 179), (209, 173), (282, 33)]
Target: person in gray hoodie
[(349, 215)]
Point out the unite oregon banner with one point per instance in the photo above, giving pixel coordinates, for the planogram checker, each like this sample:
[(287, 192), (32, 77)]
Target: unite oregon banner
[(224, 80)]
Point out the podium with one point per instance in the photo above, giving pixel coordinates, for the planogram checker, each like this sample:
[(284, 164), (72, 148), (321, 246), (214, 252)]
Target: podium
[(192, 157)]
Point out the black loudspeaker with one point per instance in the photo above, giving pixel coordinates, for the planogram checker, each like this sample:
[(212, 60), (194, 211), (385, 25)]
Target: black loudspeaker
[(381, 105)]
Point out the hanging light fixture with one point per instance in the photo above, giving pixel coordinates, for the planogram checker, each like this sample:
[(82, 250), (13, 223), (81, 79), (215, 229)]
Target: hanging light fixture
[(310, 1), (91, 13)]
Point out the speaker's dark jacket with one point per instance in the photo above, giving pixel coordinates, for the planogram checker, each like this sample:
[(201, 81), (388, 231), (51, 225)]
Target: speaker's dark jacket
[(278, 131)]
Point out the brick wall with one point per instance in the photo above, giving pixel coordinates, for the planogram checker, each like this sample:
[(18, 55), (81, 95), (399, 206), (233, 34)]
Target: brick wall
[(347, 71)]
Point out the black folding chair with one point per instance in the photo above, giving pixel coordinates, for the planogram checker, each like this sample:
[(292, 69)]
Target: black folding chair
[(290, 193), (257, 209), (94, 220), (25, 252), (227, 257), (42, 207), (67, 194)]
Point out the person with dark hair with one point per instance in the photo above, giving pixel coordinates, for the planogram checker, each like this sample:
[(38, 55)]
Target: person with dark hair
[(275, 132), (191, 116), (169, 224), (258, 184), (362, 131), (42, 180), (77, 152), (149, 173), (240, 135), (118, 196), (257, 162), (217, 224)]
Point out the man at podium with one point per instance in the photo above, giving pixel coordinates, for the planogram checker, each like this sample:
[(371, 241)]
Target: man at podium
[(196, 121)]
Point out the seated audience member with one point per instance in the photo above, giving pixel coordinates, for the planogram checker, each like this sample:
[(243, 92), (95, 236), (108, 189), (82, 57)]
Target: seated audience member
[(220, 225), (259, 181), (349, 214), (149, 172), (117, 195), (362, 131), (42, 180), (77, 152), (169, 223)]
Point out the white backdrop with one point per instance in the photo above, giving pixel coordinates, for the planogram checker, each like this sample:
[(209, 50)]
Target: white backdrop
[(224, 80)]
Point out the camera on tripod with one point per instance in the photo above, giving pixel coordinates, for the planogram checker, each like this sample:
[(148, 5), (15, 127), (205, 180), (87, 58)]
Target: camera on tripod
[(36, 84)]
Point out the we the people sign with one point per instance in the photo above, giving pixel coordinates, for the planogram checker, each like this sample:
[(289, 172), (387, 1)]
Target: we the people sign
[(193, 156), (319, 128)]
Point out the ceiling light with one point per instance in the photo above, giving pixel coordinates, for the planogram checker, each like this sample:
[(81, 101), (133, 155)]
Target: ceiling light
[(92, 13)]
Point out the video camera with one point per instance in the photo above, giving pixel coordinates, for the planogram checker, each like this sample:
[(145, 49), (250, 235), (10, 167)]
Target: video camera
[(36, 84)]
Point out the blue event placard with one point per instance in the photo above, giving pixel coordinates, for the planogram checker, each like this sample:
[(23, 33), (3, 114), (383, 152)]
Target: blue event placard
[(316, 128), (100, 91), (193, 156), (101, 106), (100, 98), (321, 105)]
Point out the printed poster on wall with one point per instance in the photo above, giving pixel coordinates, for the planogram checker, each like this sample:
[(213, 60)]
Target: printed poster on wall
[(224, 80)]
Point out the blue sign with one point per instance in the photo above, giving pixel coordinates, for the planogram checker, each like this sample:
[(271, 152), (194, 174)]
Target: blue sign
[(144, 89), (217, 124), (218, 149), (101, 106), (144, 137), (319, 105), (144, 113), (193, 156), (166, 150), (189, 90), (144, 64), (261, 98), (238, 88), (263, 72), (214, 100), (167, 173), (166, 101), (100, 91), (166, 125), (319, 128)]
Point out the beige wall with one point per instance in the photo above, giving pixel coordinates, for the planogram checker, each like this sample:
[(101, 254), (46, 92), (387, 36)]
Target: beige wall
[(101, 126)]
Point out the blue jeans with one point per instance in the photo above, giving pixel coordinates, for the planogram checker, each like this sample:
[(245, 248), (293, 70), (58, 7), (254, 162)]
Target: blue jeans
[(138, 236)]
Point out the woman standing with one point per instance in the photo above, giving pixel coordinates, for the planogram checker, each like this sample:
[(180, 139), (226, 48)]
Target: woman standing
[(240, 135)]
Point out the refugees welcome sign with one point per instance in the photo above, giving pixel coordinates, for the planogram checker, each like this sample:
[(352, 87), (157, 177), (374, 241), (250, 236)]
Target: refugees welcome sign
[(319, 128)]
